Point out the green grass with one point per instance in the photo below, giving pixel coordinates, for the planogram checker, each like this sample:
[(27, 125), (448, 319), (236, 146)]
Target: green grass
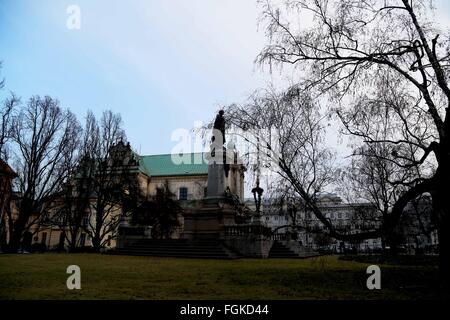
[(43, 276)]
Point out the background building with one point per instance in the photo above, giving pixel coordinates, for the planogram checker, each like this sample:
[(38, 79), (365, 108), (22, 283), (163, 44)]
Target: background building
[(185, 176), (417, 233)]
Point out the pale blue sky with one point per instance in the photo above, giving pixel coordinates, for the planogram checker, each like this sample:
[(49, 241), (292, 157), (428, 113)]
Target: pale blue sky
[(162, 64)]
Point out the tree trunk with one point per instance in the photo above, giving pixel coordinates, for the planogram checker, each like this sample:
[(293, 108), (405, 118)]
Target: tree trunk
[(392, 242), (444, 253), (16, 235), (73, 240), (96, 243), (441, 208)]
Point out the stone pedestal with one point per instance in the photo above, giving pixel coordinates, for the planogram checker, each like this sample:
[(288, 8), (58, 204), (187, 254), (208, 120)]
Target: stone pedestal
[(216, 180), (129, 234), (217, 212), (207, 221)]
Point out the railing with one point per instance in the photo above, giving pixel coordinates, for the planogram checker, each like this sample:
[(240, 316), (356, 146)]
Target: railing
[(247, 230), (279, 236)]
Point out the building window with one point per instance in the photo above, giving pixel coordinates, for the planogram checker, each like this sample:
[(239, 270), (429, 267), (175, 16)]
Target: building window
[(82, 239), (85, 222), (44, 237), (183, 193)]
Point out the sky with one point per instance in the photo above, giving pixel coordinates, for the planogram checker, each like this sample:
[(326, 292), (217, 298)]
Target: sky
[(164, 65)]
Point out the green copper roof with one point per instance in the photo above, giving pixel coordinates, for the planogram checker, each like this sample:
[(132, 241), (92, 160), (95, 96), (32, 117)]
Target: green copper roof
[(173, 164)]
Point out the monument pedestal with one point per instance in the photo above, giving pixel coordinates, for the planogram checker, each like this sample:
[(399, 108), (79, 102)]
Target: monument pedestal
[(207, 221), (209, 218), (216, 181)]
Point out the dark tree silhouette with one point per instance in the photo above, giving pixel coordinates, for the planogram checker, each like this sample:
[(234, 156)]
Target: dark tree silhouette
[(161, 212), (359, 51), (45, 138), (114, 179)]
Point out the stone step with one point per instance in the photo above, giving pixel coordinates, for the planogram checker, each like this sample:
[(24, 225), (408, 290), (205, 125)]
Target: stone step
[(174, 251), (170, 255), (279, 250), (177, 243), (162, 249), (187, 251), (139, 244), (176, 248)]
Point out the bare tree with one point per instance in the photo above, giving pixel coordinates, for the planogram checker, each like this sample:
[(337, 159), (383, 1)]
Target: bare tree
[(289, 130), (284, 201), (115, 185), (349, 51), (76, 196), (161, 211), (45, 140), (6, 114), (103, 185), (374, 175), (2, 81), (367, 180)]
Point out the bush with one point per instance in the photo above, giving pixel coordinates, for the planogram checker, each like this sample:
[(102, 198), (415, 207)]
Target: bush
[(38, 247), (84, 249), (410, 260)]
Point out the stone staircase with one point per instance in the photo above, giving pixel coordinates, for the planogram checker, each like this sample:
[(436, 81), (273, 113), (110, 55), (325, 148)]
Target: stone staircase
[(280, 250), (181, 248)]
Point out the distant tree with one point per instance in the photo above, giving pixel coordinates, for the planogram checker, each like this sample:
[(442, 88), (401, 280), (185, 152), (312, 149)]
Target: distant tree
[(6, 116), (76, 195), (103, 184), (6, 194), (290, 130), (370, 178), (45, 141), (114, 181), (283, 200), (161, 211), (7, 109), (8, 106), (322, 240)]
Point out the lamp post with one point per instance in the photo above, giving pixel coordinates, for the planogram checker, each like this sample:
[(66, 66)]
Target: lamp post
[(257, 191), (257, 194)]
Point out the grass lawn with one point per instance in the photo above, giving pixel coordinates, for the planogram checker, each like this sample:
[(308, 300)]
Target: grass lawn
[(43, 276)]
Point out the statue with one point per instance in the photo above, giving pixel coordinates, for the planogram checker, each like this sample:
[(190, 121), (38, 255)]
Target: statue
[(219, 124), (257, 193)]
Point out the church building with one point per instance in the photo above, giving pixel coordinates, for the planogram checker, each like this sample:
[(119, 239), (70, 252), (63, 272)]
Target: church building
[(185, 175)]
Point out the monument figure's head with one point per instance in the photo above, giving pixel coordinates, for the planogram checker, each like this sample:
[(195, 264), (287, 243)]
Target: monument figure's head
[(221, 112)]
